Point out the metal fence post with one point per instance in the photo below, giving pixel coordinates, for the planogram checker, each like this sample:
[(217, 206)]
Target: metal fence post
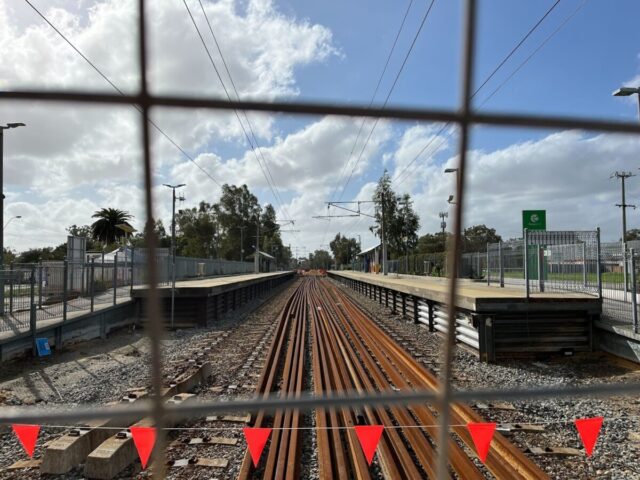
[(625, 280), (32, 309), (501, 264), (634, 297), (65, 286), (92, 285), (584, 264), (598, 267), (11, 281), (540, 252), (40, 285), (133, 251), (488, 269), (526, 262), (115, 277)]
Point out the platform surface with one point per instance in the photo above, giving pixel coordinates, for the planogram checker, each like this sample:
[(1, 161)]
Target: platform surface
[(210, 285), (479, 297)]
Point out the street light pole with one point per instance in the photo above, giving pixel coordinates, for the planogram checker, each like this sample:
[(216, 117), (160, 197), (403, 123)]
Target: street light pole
[(2, 129), (382, 236), (627, 91), (173, 248), (623, 176), (12, 218)]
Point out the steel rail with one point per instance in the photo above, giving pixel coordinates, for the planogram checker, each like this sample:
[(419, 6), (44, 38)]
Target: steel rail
[(267, 379), (395, 458), (357, 326), (335, 380), (505, 460)]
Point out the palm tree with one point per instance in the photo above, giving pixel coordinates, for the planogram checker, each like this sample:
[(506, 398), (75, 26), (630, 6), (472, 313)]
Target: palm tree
[(104, 228)]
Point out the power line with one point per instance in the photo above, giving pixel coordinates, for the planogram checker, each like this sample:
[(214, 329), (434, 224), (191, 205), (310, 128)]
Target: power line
[(375, 92), (115, 87), (375, 124), (399, 177), (262, 168)]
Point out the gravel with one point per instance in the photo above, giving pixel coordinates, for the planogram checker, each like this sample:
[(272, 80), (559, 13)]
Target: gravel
[(99, 371), (617, 448)]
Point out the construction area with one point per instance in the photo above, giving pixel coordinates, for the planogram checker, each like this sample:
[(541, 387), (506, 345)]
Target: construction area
[(263, 239)]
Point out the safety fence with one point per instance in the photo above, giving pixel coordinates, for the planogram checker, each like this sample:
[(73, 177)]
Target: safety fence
[(46, 290), (466, 116)]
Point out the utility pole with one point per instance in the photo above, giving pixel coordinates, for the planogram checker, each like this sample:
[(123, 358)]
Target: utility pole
[(382, 237), (242, 243), (2, 129), (256, 260), (173, 248), (623, 176), (443, 224)]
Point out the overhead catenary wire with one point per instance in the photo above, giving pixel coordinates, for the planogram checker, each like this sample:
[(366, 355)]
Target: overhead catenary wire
[(226, 91), (395, 81), (117, 89), (399, 177)]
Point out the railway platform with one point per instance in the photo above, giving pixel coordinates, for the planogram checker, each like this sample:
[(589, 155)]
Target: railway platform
[(496, 322), (198, 302)]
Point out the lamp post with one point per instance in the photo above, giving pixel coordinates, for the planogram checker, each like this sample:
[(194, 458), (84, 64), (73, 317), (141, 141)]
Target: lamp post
[(2, 129), (12, 218), (628, 91), (452, 170), (173, 248)]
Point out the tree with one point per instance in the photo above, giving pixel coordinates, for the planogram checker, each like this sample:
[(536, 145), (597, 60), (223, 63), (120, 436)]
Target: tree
[(84, 231), (344, 249), (432, 243), (320, 259), (104, 228), (238, 212), (401, 221), (163, 239), (633, 234), (9, 255), (475, 238), (198, 231), (34, 255)]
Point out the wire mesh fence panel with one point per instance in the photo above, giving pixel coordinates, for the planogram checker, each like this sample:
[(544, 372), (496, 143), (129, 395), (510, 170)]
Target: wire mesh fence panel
[(465, 117)]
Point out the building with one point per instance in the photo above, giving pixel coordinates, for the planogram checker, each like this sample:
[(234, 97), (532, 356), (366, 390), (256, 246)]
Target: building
[(372, 259)]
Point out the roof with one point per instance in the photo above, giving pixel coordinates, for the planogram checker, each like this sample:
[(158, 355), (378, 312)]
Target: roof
[(262, 254), (370, 249)]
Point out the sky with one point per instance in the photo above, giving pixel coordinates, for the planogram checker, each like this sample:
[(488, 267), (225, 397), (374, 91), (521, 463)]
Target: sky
[(71, 160)]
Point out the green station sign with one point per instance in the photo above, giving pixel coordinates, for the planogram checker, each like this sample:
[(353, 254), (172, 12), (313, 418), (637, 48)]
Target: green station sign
[(534, 219)]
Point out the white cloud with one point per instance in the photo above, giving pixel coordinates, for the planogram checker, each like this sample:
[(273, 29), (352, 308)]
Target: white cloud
[(566, 173), (86, 157)]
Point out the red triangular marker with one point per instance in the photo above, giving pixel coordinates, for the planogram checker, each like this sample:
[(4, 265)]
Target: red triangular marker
[(144, 438), (27, 434), (589, 429), (369, 436), (256, 440), (482, 434)]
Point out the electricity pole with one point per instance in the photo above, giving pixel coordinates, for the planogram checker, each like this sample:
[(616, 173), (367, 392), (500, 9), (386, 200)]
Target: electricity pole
[(256, 260), (2, 129), (173, 247), (382, 237), (623, 176), (443, 224)]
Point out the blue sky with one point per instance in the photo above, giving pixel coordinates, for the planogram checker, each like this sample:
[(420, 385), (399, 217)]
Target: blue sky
[(324, 51)]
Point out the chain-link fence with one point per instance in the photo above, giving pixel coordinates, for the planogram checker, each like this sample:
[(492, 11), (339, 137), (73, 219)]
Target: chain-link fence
[(466, 116), (59, 289)]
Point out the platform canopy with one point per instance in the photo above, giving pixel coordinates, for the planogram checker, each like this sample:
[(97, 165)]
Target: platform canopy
[(369, 250)]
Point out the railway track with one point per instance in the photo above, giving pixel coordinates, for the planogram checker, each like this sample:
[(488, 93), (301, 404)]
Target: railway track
[(349, 352)]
